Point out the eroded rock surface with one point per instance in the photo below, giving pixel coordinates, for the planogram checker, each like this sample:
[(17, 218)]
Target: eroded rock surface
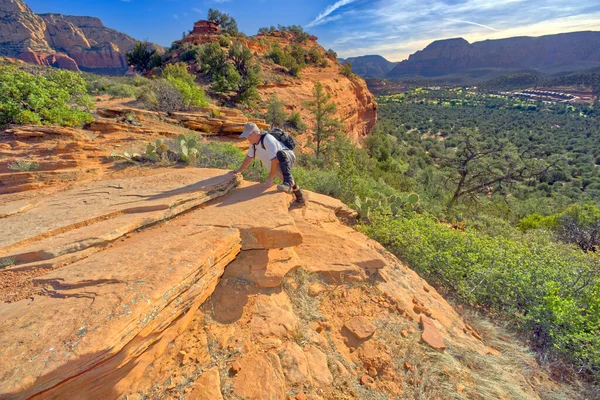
[(243, 296)]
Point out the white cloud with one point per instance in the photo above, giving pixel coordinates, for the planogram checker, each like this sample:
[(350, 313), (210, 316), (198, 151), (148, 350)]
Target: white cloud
[(397, 28), (321, 18), (473, 23)]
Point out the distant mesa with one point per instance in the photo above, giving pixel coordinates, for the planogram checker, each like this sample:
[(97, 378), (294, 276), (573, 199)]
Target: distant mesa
[(370, 66), (546, 55), (62, 41)]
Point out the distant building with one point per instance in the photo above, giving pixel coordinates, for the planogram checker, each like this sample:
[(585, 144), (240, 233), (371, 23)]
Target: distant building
[(204, 27)]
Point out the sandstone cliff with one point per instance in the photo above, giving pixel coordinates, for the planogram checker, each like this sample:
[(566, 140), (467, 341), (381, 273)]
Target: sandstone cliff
[(61, 41), (563, 52)]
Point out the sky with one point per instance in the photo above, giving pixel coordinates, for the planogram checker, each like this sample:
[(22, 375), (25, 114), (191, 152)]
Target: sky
[(391, 28)]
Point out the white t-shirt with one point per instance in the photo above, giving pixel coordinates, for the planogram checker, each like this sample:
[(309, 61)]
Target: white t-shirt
[(269, 153)]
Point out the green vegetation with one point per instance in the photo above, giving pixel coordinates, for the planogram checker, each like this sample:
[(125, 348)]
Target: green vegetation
[(24, 165), (295, 121), (235, 70), (548, 290), (59, 98), (115, 86), (143, 57), (323, 109), (8, 262), (347, 70), (294, 57), (225, 21), (275, 115), (176, 90)]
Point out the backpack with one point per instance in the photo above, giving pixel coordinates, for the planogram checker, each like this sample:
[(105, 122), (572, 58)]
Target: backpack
[(285, 138)]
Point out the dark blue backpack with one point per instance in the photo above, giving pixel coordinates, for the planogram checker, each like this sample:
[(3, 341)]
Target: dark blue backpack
[(285, 138)]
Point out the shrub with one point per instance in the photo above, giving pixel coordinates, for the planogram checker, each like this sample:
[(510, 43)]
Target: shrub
[(224, 42), (331, 54), (119, 91), (549, 290), (143, 57), (190, 53), (295, 121), (35, 99), (315, 56), (347, 70), (185, 83), (24, 165), (275, 114), (162, 95)]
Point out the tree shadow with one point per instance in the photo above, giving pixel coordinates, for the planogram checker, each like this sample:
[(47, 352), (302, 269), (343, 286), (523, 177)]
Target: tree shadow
[(59, 288)]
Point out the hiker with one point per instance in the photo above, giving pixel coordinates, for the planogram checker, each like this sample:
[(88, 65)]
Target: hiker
[(274, 155)]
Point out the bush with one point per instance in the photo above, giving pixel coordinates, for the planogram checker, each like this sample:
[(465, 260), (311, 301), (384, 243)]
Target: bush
[(551, 291), (162, 95), (120, 91), (185, 83), (224, 42), (331, 54), (295, 121), (275, 114), (315, 56), (34, 99), (190, 53), (347, 70)]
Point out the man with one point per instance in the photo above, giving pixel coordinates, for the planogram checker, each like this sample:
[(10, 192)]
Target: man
[(275, 156)]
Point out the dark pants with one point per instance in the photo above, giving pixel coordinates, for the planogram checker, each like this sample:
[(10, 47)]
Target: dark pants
[(285, 166)]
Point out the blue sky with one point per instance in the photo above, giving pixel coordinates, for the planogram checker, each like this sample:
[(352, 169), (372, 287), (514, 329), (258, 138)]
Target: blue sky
[(392, 28)]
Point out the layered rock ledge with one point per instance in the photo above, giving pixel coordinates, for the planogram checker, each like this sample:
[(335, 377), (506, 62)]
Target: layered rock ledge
[(187, 283)]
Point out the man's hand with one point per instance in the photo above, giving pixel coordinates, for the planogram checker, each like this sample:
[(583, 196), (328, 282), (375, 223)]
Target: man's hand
[(269, 182)]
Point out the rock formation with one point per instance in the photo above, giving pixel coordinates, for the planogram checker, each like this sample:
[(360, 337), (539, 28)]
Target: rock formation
[(61, 41), (189, 283), (356, 106), (565, 52)]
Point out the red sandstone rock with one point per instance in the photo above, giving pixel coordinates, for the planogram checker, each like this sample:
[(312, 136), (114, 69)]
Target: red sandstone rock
[(360, 327), (431, 334), (207, 387)]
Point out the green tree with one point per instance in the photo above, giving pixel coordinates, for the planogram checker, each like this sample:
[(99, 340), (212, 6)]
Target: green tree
[(249, 72), (323, 109), (141, 57), (580, 225), (225, 21), (275, 114), (481, 165)]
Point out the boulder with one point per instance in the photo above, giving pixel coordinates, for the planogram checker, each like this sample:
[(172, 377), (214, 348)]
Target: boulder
[(207, 387), (360, 327), (260, 378)]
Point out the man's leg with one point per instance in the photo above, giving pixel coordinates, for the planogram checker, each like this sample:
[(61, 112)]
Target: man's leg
[(286, 161), (285, 165)]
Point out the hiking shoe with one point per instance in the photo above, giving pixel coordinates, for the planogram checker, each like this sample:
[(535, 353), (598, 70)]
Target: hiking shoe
[(300, 202), (285, 187)]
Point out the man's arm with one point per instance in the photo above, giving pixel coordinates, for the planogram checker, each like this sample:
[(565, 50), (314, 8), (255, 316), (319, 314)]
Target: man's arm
[(273, 172), (245, 165)]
